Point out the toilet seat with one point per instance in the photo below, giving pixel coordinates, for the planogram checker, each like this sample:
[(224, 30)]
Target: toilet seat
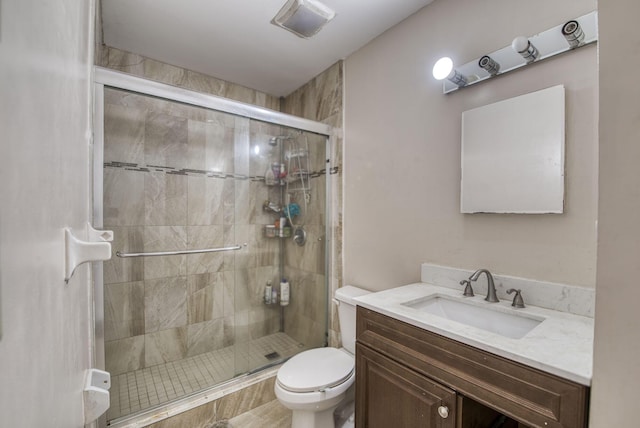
[(316, 370)]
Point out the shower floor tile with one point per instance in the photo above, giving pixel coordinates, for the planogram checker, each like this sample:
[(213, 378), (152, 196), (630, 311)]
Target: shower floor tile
[(153, 386)]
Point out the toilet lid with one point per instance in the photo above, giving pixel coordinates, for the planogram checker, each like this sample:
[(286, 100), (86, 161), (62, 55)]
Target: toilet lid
[(315, 369)]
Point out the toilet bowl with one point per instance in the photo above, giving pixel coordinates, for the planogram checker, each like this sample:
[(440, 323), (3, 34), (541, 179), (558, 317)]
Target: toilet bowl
[(315, 382)]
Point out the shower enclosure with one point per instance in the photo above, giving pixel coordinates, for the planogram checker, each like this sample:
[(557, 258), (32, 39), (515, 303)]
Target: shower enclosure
[(212, 203)]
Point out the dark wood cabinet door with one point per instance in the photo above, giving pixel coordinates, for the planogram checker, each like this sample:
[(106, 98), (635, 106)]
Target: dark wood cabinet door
[(389, 395)]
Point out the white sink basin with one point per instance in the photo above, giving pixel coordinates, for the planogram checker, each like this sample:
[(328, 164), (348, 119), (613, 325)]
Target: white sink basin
[(486, 316)]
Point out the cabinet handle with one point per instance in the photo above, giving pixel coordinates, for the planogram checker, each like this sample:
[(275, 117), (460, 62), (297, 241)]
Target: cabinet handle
[(443, 411)]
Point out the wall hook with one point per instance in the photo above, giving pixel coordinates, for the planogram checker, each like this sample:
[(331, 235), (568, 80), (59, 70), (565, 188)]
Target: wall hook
[(77, 251)]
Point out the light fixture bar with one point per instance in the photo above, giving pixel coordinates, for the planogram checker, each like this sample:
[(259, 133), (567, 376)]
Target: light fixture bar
[(554, 41)]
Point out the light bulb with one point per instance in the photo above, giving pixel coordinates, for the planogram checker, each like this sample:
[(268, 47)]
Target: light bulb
[(520, 44), (442, 68), (525, 48)]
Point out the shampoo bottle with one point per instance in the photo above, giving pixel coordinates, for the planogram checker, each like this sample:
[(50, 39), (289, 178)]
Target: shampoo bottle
[(275, 170), (282, 224), (284, 292), (267, 293), (269, 177)]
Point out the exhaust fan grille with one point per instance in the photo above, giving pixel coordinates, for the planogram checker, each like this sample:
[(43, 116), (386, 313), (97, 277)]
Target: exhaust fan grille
[(303, 18)]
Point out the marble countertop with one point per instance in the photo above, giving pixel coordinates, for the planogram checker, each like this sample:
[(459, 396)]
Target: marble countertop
[(562, 344)]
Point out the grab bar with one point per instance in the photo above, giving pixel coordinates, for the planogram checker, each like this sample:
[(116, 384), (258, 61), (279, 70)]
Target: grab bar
[(179, 252)]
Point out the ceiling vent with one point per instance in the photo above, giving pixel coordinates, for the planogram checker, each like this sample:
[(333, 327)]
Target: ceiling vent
[(304, 18)]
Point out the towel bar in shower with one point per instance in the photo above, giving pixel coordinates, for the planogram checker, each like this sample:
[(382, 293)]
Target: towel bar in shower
[(180, 252)]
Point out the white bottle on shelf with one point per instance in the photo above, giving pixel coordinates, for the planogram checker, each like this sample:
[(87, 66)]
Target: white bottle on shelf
[(284, 292), (269, 177), (283, 223), (267, 293)]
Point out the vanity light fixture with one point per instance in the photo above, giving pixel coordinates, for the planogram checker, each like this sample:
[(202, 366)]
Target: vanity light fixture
[(523, 51), (525, 48), (572, 31), (304, 18), (443, 69)]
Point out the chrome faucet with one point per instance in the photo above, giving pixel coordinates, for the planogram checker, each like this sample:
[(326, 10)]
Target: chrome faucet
[(491, 287)]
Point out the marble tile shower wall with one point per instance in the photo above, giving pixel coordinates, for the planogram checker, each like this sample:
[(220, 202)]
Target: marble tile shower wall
[(321, 99), (157, 197)]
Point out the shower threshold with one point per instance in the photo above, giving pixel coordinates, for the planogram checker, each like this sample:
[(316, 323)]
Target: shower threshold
[(141, 390)]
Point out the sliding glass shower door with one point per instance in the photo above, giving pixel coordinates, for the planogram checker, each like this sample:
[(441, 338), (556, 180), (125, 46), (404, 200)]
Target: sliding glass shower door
[(193, 201)]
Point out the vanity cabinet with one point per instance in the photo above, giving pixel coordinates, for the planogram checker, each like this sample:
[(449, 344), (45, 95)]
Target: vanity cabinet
[(393, 396), (405, 375)]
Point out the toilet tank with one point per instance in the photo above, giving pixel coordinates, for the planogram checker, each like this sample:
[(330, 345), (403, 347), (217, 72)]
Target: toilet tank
[(347, 314)]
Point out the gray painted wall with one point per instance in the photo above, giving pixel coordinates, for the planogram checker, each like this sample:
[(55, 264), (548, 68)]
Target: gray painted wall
[(402, 150)]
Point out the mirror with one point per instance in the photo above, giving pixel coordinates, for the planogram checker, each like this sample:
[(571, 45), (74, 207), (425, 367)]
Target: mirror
[(513, 155)]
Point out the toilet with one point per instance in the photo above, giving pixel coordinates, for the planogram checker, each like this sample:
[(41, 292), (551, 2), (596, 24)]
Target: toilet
[(315, 382)]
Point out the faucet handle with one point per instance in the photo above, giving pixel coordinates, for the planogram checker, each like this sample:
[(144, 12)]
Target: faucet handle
[(468, 291), (518, 302)]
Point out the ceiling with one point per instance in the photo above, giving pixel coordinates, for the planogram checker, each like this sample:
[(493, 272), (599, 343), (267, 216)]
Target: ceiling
[(234, 40)]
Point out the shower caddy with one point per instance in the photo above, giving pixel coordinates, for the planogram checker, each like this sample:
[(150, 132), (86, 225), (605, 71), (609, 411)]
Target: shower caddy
[(297, 188)]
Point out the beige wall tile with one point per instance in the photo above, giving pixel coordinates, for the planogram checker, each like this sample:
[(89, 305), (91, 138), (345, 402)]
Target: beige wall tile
[(247, 399), (165, 238), (263, 321), (123, 61), (205, 301), (125, 355), (165, 303), (165, 199), (241, 328), (210, 144), (245, 289), (124, 310), (228, 292), (200, 305), (200, 417), (272, 414), (205, 337), (123, 132), (205, 204), (165, 346), (229, 202), (229, 331), (123, 197), (166, 138)]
